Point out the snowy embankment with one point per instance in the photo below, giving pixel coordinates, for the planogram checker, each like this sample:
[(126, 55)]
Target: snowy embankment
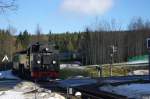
[(7, 75), (138, 62), (139, 72), (71, 66), (29, 90), (25, 90)]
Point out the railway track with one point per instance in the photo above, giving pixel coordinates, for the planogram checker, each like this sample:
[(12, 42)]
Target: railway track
[(52, 85), (92, 91), (88, 91)]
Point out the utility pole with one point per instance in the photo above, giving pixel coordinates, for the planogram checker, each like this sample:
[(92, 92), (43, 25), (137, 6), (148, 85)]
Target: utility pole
[(111, 62), (113, 51), (35, 88)]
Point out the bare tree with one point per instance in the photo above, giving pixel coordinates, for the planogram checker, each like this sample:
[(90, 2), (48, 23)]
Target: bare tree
[(138, 24), (39, 36), (7, 5)]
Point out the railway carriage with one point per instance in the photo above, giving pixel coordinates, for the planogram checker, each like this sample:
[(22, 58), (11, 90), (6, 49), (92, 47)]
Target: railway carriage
[(38, 61)]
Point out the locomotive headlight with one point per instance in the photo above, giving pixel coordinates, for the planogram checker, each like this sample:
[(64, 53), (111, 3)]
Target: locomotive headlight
[(46, 49), (54, 62), (38, 62)]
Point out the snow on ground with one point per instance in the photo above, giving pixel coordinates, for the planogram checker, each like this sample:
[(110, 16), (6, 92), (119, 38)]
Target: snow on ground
[(7, 75), (25, 90), (138, 62), (10, 94), (136, 91), (29, 90), (71, 66), (139, 72)]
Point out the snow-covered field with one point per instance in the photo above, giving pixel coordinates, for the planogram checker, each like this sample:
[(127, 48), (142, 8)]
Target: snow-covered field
[(138, 62), (24, 89), (135, 91), (71, 66), (29, 90), (139, 72)]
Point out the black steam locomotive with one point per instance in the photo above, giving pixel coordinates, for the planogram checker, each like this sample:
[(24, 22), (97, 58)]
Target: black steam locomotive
[(38, 61)]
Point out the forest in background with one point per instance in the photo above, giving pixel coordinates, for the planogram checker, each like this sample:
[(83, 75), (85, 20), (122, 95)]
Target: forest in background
[(94, 46)]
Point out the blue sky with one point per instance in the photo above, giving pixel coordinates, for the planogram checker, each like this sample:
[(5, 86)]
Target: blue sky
[(72, 15)]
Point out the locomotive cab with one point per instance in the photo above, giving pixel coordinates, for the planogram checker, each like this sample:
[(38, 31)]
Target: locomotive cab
[(44, 61)]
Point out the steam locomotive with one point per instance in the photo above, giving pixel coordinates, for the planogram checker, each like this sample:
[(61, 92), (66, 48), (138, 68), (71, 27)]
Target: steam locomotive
[(38, 61)]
